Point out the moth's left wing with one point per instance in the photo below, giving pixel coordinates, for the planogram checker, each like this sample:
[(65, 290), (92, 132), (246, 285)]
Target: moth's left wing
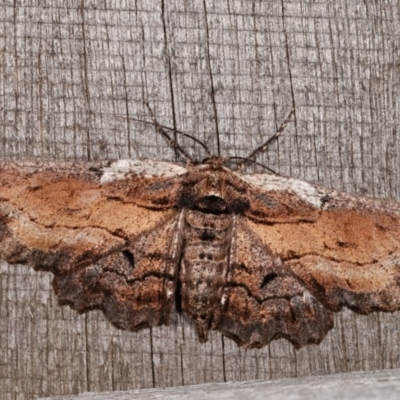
[(106, 231), (345, 250)]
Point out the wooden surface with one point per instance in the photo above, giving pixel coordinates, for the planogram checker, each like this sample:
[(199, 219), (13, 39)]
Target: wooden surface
[(72, 73), (372, 385)]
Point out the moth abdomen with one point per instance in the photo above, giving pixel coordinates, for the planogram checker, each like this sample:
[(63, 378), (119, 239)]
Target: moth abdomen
[(203, 270)]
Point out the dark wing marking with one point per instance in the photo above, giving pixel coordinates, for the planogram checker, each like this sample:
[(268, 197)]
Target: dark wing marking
[(134, 285), (263, 301)]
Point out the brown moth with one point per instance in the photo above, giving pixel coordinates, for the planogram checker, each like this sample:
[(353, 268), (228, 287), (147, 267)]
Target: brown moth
[(256, 257)]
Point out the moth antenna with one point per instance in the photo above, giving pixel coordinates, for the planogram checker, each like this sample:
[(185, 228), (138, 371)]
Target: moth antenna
[(173, 143), (253, 162), (174, 130), (265, 145)]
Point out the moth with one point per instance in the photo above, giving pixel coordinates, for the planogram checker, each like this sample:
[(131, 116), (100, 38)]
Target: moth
[(254, 256)]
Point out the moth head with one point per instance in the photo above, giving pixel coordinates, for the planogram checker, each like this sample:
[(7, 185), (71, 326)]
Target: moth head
[(213, 160)]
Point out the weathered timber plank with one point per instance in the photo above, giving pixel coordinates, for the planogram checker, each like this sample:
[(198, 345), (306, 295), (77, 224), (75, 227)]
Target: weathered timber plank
[(73, 73)]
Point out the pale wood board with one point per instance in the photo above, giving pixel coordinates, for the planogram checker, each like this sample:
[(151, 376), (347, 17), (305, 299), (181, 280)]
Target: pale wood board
[(371, 385), (72, 72)]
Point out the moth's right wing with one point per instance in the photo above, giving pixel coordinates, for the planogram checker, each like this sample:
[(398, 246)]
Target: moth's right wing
[(344, 249)]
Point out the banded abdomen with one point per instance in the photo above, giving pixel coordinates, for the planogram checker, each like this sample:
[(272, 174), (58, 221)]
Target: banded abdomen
[(204, 263)]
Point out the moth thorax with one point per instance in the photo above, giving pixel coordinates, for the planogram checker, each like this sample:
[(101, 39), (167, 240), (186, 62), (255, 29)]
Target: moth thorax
[(211, 203)]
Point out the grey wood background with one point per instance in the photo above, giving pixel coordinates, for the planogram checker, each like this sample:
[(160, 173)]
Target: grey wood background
[(72, 73)]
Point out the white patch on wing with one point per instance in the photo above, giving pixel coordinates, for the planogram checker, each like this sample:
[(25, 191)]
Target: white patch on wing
[(307, 192), (123, 168)]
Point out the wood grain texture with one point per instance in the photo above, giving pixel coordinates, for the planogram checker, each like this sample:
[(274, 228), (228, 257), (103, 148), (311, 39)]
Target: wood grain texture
[(227, 72)]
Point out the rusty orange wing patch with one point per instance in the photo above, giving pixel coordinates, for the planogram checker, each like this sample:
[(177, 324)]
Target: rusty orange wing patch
[(257, 257), (344, 250)]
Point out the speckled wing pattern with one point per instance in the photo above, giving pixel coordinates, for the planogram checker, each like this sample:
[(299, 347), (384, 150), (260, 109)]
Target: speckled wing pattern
[(256, 257)]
